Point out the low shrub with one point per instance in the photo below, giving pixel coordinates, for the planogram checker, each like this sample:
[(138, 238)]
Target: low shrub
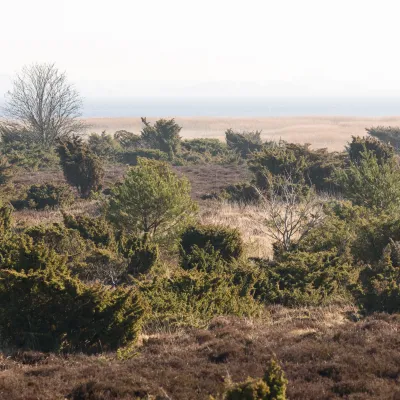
[(103, 145), (131, 156), (127, 139), (193, 298), (45, 196), (6, 217), (379, 289), (62, 240), (95, 229), (243, 143), (271, 387), (22, 253), (241, 193), (226, 241), (142, 255), (48, 310), (82, 168), (103, 265), (212, 147), (307, 279), (299, 162), (359, 145)]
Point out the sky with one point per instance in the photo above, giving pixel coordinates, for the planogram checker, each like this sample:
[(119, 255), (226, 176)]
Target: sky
[(164, 48)]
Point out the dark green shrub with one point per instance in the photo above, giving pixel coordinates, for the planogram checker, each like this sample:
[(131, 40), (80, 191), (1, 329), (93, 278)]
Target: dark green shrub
[(387, 134), (371, 183), (95, 229), (103, 145), (82, 168), (47, 310), (205, 259), (271, 387), (251, 389), (299, 162), (6, 211), (359, 145), (21, 253), (127, 139), (379, 289), (46, 196), (163, 135), (304, 279), (131, 157), (226, 241), (57, 237), (103, 265), (212, 147), (6, 170), (142, 255), (193, 298), (241, 193), (243, 143)]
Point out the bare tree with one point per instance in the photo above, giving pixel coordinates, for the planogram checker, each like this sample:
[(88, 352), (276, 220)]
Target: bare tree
[(291, 211), (43, 105)]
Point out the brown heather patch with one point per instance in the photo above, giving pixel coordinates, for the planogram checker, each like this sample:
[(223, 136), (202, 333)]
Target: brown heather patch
[(337, 359)]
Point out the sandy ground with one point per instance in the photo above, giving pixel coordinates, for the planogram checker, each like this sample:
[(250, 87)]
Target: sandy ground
[(330, 132)]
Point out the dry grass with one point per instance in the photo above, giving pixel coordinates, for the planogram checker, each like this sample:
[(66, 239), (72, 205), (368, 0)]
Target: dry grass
[(325, 354), (247, 219), (321, 132)]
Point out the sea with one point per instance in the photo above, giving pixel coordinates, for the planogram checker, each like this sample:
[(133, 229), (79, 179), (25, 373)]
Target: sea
[(241, 107)]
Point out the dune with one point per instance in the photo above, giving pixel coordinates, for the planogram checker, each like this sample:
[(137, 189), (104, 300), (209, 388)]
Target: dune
[(321, 132)]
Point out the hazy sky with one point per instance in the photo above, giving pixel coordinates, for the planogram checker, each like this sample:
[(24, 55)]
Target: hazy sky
[(130, 48)]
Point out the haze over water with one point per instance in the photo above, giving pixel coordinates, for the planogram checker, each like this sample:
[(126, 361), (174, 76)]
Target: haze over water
[(241, 107)]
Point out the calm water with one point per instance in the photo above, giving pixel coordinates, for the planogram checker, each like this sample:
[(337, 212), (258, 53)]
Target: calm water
[(242, 107)]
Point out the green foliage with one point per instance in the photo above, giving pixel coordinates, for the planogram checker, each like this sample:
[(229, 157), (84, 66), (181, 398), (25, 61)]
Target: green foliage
[(48, 310), (82, 168), (205, 259), (193, 298), (127, 139), (21, 253), (46, 196), (22, 151), (271, 387), (132, 156), (379, 289), (103, 265), (370, 183), (151, 201), (301, 164), (103, 145), (62, 240), (6, 170), (6, 219), (214, 147), (251, 389), (163, 135), (226, 241), (275, 379), (241, 193), (359, 145), (304, 279), (387, 134), (95, 229), (243, 143), (142, 255)]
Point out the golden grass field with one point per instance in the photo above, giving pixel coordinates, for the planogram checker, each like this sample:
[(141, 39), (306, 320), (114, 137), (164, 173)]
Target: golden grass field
[(330, 132)]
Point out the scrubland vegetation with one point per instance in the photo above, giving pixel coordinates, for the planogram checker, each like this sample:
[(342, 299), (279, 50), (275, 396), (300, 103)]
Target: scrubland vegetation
[(144, 266)]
